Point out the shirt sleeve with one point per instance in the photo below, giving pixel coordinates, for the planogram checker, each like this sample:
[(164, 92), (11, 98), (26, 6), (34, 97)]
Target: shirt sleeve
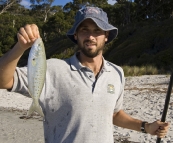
[(119, 103), (20, 84)]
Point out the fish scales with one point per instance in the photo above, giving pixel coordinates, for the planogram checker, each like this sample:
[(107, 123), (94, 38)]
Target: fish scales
[(36, 73)]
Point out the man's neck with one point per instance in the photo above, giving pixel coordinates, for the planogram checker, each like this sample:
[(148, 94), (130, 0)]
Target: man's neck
[(95, 64)]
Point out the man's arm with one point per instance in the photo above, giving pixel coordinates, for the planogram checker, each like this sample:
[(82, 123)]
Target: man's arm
[(122, 119), (8, 64), (26, 37)]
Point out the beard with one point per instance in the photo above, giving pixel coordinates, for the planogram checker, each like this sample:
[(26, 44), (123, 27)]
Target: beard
[(89, 52)]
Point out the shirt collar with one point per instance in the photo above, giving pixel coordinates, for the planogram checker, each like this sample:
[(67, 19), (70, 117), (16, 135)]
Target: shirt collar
[(76, 65)]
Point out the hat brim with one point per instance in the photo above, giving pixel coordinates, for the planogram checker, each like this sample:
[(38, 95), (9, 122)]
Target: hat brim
[(113, 31)]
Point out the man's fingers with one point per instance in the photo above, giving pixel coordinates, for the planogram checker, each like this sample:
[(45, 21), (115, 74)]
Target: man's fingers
[(35, 31), (24, 34), (163, 124), (29, 31), (161, 134), (163, 129), (21, 38), (27, 35)]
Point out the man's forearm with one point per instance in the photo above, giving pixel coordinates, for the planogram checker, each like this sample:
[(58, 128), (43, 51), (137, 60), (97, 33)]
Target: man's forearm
[(122, 119), (8, 63)]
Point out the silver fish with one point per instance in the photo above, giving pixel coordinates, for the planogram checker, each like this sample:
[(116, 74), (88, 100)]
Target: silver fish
[(36, 73)]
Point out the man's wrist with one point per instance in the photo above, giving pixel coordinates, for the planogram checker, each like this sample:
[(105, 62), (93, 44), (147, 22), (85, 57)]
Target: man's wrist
[(147, 127), (144, 127), (19, 48)]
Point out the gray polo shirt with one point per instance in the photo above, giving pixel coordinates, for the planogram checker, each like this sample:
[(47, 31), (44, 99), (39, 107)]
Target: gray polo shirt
[(78, 108)]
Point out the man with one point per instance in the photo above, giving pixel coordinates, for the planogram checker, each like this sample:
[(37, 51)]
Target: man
[(82, 95)]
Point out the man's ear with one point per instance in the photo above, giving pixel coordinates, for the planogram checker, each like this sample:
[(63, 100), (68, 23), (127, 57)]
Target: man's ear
[(107, 34), (75, 36)]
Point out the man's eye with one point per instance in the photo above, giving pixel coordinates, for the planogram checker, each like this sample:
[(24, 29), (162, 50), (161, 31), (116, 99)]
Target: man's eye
[(84, 29), (97, 30)]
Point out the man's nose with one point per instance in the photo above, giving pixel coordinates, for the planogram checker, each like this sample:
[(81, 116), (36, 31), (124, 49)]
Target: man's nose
[(90, 35)]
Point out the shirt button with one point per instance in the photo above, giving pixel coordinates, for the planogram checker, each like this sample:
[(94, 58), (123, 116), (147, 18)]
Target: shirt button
[(90, 76)]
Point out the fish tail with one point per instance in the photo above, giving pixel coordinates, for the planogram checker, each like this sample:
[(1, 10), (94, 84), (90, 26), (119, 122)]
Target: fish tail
[(35, 107)]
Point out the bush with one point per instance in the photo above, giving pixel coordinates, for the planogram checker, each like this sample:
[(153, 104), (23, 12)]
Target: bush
[(138, 71)]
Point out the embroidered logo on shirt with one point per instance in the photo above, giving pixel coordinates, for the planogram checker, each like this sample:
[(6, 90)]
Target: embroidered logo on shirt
[(110, 89)]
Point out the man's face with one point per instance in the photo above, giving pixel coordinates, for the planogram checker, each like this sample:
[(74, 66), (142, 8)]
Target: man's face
[(91, 39)]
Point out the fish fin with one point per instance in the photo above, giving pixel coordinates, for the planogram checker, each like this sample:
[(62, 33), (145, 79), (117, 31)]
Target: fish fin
[(35, 107), (38, 109)]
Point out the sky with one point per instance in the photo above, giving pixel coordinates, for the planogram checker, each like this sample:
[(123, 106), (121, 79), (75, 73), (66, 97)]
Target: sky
[(26, 3)]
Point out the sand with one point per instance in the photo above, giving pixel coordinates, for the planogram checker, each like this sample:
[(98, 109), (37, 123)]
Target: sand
[(144, 99), (15, 129)]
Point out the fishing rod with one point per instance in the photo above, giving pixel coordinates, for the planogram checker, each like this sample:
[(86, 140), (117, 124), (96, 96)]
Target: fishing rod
[(166, 103)]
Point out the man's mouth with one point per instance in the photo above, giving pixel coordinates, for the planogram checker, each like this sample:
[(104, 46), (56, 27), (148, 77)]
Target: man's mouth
[(90, 44)]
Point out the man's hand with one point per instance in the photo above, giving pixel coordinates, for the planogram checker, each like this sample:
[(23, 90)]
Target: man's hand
[(27, 35), (157, 128)]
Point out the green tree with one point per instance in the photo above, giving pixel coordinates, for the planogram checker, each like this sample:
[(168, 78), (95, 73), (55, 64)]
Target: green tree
[(154, 9), (75, 5), (7, 4), (42, 7), (56, 26)]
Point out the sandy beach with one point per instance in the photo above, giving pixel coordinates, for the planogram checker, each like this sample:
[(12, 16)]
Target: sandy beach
[(144, 99), (15, 129)]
